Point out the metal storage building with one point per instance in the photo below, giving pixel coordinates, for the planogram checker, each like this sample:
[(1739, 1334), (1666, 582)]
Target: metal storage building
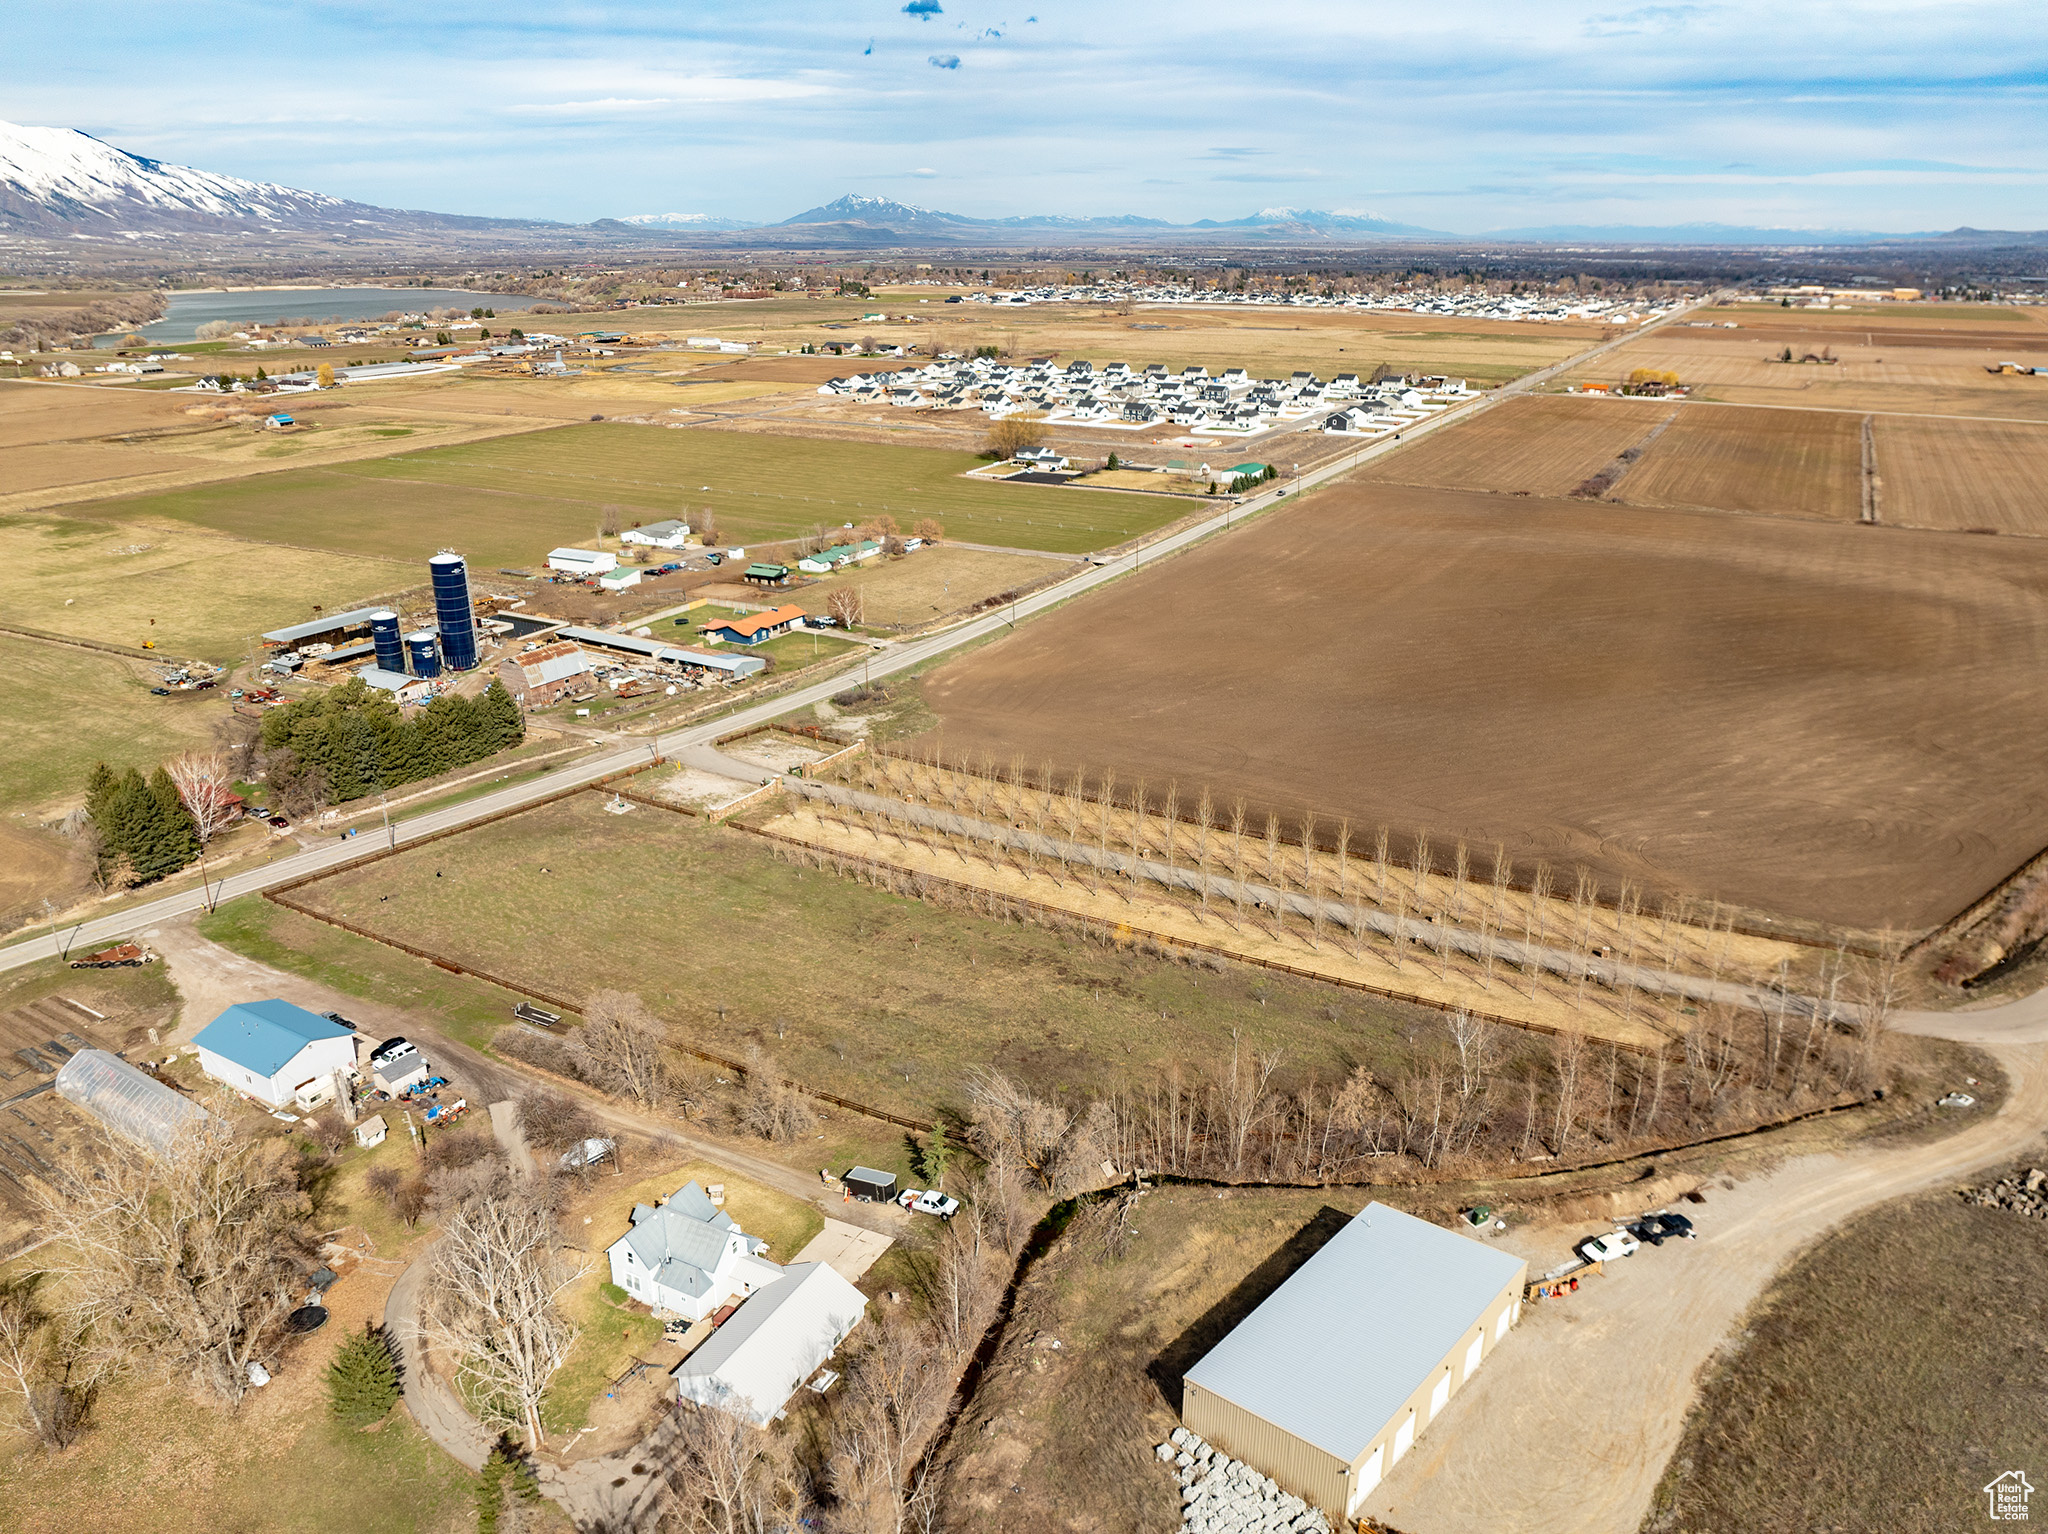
[(359, 618), (124, 1099), (1325, 1386)]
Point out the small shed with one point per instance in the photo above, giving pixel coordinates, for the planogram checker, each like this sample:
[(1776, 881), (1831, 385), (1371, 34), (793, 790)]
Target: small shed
[(126, 1100), (869, 1185), (371, 1131), (621, 578)]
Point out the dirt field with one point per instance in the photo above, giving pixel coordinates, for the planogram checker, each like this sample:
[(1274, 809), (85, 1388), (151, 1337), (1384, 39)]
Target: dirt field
[(1800, 463), (929, 584), (506, 502), (1963, 474), (872, 987), (1544, 444), (1913, 359), (1918, 1412), (1722, 710)]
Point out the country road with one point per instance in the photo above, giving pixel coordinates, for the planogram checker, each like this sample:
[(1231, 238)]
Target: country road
[(902, 656)]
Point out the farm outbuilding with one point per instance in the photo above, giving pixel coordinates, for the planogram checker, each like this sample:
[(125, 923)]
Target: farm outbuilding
[(864, 1182), (582, 561), (540, 677), (1326, 1384), (273, 1051), (775, 1341), (126, 1100)]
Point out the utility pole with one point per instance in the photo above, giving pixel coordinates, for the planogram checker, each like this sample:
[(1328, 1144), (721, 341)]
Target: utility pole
[(390, 836)]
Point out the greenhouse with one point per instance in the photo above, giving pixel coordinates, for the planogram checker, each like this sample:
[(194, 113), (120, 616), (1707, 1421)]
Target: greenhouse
[(124, 1099)]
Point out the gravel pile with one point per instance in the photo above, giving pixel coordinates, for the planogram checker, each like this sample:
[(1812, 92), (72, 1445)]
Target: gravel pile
[(2023, 1193), (1220, 1495)]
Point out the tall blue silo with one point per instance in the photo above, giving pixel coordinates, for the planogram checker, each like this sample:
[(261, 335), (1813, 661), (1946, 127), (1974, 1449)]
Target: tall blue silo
[(452, 610), (384, 635), (425, 661)]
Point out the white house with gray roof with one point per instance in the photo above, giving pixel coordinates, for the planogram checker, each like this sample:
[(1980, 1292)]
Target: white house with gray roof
[(687, 1255)]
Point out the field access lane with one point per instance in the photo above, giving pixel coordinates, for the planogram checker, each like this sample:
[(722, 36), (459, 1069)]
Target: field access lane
[(902, 656)]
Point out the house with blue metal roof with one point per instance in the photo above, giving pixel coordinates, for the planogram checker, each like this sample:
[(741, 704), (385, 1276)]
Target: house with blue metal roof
[(276, 1052), (688, 1256)]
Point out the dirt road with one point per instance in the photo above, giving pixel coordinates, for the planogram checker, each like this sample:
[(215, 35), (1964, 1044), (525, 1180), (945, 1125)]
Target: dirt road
[(1569, 1429)]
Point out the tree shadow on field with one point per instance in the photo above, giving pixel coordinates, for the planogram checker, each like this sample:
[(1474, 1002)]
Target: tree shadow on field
[(1251, 1291)]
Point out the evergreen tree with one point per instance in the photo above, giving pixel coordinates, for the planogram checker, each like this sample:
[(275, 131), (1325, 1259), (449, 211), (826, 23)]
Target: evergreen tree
[(362, 1382), (168, 840)]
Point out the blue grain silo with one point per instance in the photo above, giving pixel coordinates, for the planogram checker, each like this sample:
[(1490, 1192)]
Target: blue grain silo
[(384, 635), (425, 660), (452, 610)]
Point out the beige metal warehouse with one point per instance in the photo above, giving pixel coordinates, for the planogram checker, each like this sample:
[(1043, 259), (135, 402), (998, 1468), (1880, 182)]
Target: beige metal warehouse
[(1325, 1386)]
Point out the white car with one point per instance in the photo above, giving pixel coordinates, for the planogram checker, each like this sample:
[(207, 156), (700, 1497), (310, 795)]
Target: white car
[(1608, 1247)]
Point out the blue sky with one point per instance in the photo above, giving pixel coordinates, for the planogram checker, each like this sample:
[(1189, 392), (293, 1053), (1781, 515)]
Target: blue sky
[(1912, 114)]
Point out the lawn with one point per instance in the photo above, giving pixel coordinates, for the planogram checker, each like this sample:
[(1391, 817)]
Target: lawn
[(930, 584), (464, 1008), (507, 501), (1872, 1388), (882, 998), (66, 709), (196, 594)]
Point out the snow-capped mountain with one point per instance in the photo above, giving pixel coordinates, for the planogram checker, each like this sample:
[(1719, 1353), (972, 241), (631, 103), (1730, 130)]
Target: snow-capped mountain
[(681, 221)]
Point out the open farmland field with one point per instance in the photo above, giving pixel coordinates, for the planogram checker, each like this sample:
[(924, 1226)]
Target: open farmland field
[(1856, 1401), (189, 590), (927, 585), (508, 501), (1798, 463), (873, 988), (1957, 474), (1542, 444), (1835, 723), (66, 709), (1911, 360)]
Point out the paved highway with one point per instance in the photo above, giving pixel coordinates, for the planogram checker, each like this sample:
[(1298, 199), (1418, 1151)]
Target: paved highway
[(908, 655)]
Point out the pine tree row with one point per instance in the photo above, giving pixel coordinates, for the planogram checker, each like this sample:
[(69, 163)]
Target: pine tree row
[(353, 740), (140, 826)]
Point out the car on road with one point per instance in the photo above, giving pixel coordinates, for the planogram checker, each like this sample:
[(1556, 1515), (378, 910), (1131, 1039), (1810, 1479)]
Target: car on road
[(1618, 1243), (929, 1201), (1656, 1229)]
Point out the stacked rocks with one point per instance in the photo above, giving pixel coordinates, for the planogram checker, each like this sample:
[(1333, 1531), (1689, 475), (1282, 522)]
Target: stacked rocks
[(2024, 1193), (1220, 1495)]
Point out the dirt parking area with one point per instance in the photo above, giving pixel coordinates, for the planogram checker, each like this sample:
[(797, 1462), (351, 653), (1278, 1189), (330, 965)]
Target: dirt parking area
[(1827, 722), (776, 751)]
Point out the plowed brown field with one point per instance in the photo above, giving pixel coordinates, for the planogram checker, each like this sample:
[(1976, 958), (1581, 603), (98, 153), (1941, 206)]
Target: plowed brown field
[(1798, 463), (1540, 444), (1963, 474), (1836, 723)]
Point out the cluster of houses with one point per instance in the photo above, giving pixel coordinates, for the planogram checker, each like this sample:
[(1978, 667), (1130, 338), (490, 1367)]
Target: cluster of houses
[(1467, 303), (1120, 397)]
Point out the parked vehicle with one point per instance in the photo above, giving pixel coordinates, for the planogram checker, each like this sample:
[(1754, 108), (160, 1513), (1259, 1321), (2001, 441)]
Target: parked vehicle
[(1606, 1248), (923, 1201), (120, 956), (280, 823), (1656, 1229), (160, 692), (390, 1049), (336, 1017), (716, 559), (589, 1153)]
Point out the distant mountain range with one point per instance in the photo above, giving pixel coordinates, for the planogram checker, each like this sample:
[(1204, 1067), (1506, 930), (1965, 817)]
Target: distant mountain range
[(59, 183)]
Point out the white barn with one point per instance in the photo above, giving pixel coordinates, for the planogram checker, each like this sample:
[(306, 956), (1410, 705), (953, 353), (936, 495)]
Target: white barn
[(754, 1363), (276, 1052), (582, 561)]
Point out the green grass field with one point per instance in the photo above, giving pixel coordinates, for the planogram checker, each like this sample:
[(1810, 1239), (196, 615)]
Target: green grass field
[(881, 998), (66, 709), (506, 502)]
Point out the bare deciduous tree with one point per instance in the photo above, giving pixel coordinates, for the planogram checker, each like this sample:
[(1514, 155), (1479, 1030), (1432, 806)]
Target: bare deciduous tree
[(774, 1109), (554, 1121), (497, 1277), (180, 1260), (849, 604), (726, 1476), (624, 1046), (893, 1399), (46, 1364)]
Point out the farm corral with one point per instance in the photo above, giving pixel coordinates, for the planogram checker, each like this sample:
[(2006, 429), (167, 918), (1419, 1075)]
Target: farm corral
[(1831, 723), (1800, 463), (1543, 444), (1963, 474)]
